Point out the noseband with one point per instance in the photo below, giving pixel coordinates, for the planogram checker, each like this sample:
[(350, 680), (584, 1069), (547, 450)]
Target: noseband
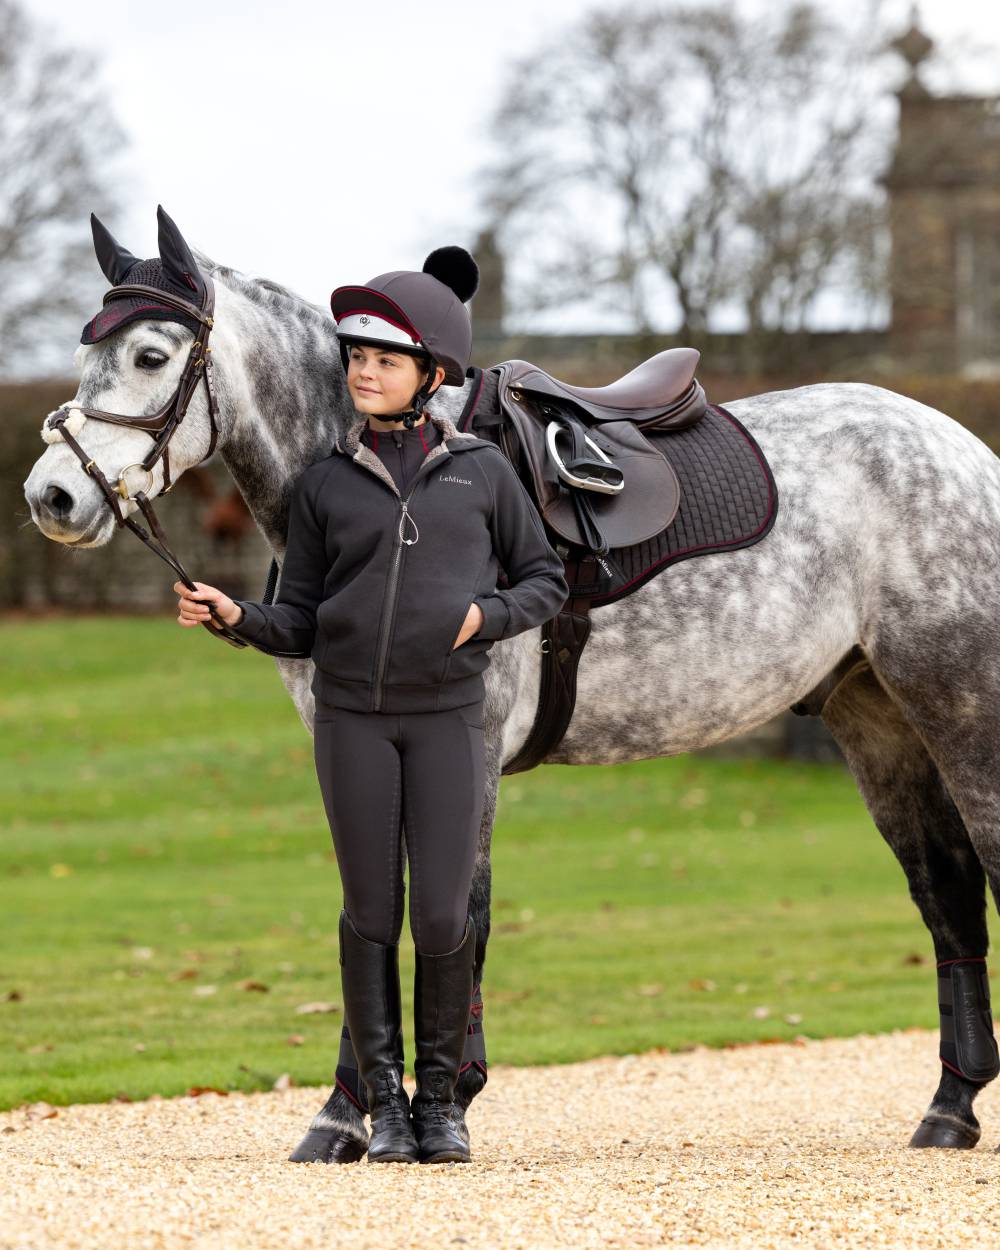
[(161, 426)]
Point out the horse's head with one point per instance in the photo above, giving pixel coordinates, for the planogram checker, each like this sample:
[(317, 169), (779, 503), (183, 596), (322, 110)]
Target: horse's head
[(132, 359)]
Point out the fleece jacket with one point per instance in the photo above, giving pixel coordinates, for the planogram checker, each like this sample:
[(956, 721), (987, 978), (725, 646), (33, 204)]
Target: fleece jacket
[(376, 583)]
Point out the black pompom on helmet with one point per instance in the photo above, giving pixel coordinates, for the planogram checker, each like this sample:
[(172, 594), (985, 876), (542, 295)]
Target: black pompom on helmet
[(422, 313)]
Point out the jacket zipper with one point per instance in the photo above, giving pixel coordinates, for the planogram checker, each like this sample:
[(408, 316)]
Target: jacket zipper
[(385, 631)]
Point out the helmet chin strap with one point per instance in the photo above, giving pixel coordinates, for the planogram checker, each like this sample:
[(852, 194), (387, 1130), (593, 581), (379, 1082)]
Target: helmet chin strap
[(411, 418)]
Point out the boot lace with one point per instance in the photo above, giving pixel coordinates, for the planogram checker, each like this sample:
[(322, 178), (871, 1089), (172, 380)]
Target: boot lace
[(393, 1106)]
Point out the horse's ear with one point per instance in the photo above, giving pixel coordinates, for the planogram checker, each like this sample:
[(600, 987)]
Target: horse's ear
[(115, 260), (178, 262)]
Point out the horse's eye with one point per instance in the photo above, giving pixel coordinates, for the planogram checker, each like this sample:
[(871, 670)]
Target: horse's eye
[(151, 359)]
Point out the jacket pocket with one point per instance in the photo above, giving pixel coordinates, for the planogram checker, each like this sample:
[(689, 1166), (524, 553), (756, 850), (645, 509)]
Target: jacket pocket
[(423, 634), (458, 625), (346, 622)]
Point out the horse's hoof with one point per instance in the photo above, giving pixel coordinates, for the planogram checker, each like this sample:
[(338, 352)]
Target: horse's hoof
[(328, 1146), (947, 1134)]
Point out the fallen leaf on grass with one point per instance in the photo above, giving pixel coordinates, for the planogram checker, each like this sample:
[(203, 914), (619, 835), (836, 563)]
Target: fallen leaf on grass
[(257, 987), (196, 1091), (761, 1013), (295, 1039), (702, 983), (283, 1082), (183, 974), (913, 960), (40, 1049), (316, 1009), (12, 996), (650, 991)]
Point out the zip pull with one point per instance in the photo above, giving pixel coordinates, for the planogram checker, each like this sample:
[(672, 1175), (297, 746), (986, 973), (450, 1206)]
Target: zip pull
[(402, 522)]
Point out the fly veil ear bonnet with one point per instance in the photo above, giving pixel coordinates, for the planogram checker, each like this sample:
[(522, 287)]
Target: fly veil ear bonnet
[(174, 273)]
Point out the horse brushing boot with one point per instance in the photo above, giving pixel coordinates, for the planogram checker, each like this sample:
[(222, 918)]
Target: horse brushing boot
[(370, 976), (969, 1056), (442, 992)]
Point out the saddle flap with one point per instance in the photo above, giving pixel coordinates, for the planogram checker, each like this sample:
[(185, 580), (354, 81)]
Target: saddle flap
[(647, 502)]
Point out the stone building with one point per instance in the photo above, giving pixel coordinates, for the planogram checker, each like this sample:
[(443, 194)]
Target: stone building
[(943, 186), (944, 205)]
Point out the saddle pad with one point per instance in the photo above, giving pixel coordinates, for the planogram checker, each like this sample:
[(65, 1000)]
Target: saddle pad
[(728, 500)]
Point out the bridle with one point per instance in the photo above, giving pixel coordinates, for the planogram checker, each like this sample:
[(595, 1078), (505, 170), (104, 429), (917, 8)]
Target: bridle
[(161, 426)]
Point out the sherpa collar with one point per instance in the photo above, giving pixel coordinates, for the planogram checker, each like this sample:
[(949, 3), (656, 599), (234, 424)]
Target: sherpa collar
[(352, 438), (452, 439)]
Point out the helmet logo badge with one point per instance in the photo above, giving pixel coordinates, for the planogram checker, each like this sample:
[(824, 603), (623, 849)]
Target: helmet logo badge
[(365, 320)]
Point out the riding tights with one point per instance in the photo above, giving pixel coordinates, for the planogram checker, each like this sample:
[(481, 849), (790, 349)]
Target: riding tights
[(393, 779)]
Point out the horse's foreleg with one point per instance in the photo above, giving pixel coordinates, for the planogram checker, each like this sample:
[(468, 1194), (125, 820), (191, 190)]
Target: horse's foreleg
[(337, 1134), (904, 792)]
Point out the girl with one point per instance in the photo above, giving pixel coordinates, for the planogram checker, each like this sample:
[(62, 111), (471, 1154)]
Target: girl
[(389, 584)]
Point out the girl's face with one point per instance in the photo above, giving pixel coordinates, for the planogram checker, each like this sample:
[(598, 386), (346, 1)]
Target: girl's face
[(382, 382)]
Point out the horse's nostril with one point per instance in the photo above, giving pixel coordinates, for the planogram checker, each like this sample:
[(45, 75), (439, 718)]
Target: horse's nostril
[(57, 502)]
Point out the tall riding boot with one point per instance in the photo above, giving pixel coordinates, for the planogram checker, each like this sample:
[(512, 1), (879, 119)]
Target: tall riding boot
[(442, 993), (370, 976)]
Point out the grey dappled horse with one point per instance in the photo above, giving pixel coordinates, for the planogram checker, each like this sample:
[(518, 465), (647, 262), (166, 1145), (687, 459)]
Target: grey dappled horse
[(887, 539)]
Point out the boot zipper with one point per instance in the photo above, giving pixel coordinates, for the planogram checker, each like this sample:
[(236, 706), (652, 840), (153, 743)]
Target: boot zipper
[(385, 629)]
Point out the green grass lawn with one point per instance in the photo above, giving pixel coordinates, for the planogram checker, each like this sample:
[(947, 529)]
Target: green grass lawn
[(170, 895)]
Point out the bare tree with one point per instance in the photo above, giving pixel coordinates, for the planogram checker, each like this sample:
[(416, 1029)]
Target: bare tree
[(58, 144), (689, 155)]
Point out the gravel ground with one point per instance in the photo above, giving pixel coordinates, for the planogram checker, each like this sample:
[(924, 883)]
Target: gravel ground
[(761, 1146)]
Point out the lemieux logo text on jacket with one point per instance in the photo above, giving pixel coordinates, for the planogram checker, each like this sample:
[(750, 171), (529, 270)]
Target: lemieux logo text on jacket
[(450, 477)]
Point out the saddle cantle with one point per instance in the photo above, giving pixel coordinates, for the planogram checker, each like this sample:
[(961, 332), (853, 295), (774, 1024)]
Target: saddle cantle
[(699, 484), (661, 392)]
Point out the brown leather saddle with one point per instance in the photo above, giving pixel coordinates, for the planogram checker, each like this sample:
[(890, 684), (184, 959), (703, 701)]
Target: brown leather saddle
[(596, 477)]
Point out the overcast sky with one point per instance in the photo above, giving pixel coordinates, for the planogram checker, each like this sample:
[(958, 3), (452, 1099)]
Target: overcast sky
[(319, 143)]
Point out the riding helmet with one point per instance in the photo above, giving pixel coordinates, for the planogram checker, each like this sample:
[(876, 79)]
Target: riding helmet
[(423, 314)]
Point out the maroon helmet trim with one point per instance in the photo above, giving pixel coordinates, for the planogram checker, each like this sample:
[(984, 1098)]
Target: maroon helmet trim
[(375, 302), (405, 327)]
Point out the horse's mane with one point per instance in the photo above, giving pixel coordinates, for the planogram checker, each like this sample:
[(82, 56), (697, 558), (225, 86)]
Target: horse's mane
[(268, 294)]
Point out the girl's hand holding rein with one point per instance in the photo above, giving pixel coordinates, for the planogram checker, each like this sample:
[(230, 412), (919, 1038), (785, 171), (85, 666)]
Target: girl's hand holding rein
[(193, 605)]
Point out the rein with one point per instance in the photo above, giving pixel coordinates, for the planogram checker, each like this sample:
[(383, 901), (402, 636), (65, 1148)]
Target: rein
[(161, 426)]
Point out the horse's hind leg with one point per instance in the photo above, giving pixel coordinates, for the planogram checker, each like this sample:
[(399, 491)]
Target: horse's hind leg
[(904, 792)]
